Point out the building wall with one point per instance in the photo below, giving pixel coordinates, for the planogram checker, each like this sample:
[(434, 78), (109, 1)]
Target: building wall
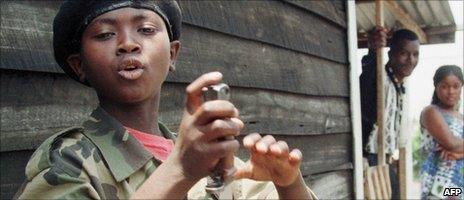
[(286, 63)]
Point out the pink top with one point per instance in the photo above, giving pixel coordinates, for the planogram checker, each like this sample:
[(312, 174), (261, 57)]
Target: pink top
[(160, 147)]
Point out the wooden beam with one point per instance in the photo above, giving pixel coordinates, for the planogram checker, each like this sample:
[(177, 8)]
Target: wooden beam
[(363, 1), (440, 29), (406, 20), (379, 17)]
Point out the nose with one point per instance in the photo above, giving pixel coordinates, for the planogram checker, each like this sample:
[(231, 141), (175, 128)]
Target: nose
[(453, 91), (412, 59), (127, 44)]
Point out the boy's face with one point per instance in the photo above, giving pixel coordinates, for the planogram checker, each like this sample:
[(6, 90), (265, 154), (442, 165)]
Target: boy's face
[(125, 55), (405, 58)]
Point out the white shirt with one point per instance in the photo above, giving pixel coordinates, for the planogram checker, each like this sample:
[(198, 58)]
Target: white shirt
[(393, 116)]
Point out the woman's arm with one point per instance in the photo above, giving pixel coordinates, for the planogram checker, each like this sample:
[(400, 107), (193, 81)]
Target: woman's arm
[(432, 120), (449, 155)]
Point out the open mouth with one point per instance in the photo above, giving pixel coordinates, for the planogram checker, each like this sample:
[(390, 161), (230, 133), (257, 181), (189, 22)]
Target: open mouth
[(130, 69)]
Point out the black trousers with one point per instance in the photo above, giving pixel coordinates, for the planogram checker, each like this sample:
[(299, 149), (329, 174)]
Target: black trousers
[(395, 186)]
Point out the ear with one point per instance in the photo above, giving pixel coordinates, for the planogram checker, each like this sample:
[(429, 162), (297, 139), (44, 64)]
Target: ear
[(75, 62), (175, 48)]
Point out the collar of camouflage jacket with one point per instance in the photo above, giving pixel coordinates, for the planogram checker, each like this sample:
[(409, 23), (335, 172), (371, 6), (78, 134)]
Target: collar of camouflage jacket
[(122, 152)]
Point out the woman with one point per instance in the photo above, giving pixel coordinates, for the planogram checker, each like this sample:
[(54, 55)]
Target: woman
[(442, 135)]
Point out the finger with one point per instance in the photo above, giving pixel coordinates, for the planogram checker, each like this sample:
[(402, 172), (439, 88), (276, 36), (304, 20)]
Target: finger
[(295, 157), (195, 92), (262, 146), (250, 140), (381, 40), (280, 148), (381, 34), (380, 29), (212, 110), (377, 41), (221, 128), (377, 28), (446, 156), (223, 148), (452, 156), (229, 174), (390, 33), (384, 32), (380, 43)]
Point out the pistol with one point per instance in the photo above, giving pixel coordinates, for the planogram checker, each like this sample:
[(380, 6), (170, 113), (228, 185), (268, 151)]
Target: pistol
[(216, 182)]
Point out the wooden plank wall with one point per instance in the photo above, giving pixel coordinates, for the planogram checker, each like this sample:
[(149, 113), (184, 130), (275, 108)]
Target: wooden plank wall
[(285, 60)]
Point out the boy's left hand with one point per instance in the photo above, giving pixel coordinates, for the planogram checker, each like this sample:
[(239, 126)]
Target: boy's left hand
[(270, 160)]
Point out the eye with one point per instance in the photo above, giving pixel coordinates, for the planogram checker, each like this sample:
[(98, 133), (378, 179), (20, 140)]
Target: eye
[(104, 36), (147, 30), (403, 53)]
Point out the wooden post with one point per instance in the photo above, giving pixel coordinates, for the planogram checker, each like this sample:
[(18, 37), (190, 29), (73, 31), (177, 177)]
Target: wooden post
[(355, 102), (405, 157), (380, 89), (402, 167), (382, 168)]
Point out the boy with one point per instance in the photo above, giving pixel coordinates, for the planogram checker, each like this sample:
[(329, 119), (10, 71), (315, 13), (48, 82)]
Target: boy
[(124, 50)]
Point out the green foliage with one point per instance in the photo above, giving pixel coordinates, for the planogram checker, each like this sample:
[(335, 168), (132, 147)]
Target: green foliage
[(417, 157)]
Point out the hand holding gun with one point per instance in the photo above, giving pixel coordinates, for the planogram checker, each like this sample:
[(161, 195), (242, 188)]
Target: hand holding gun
[(223, 172)]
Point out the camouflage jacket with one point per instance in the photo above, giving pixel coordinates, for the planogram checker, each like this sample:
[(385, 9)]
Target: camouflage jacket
[(101, 160)]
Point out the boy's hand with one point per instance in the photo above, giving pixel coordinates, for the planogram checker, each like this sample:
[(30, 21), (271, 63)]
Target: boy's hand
[(198, 147), (377, 38), (270, 160)]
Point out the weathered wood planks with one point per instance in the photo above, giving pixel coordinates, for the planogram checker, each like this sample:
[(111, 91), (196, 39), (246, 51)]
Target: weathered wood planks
[(272, 22), (46, 102), (333, 11), (258, 65), (332, 185)]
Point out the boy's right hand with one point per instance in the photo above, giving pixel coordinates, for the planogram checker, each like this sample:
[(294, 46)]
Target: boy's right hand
[(198, 148)]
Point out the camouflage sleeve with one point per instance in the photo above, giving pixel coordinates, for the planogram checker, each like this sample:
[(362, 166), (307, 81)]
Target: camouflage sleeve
[(242, 189), (55, 171)]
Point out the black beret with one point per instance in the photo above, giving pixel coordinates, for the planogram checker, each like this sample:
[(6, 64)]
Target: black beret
[(75, 15)]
